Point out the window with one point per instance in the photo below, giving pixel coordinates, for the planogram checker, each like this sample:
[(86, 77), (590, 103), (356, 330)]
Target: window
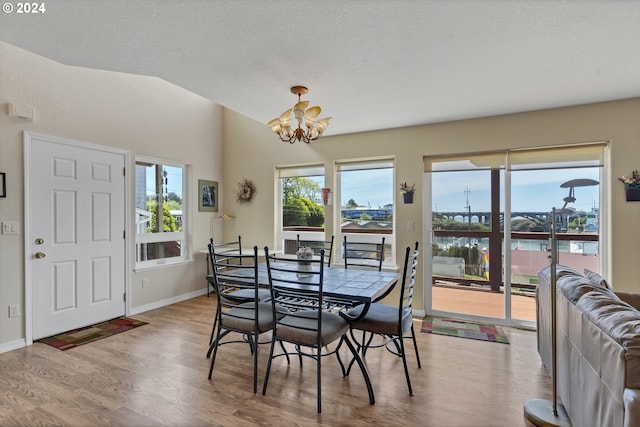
[(366, 203), (160, 213), (300, 203), (491, 218)]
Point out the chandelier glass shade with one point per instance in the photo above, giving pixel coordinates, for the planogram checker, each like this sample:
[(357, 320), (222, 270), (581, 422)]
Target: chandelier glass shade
[(307, 117)]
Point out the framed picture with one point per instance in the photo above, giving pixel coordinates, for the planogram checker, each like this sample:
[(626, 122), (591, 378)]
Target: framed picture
[(3, 185), (207, 196)]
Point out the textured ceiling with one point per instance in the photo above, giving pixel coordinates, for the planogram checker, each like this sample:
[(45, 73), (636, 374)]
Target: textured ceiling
[(370, 64)]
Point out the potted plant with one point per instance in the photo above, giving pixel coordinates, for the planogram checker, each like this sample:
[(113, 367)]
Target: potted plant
[(407, 192), (631, 186)]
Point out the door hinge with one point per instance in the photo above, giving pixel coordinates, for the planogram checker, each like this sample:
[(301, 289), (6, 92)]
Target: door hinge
[(124, 234), (124, 297), (124, 171)]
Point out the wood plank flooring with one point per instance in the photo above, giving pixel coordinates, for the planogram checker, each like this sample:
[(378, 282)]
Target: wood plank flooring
[(157, 375)]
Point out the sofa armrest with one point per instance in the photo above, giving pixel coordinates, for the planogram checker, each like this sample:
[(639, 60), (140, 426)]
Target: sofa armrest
[(630, 298)]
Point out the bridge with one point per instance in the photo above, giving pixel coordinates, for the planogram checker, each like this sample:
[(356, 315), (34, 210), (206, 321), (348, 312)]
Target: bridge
[(485, 217)]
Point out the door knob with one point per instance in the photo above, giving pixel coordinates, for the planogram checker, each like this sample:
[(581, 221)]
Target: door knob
[(39, 241), (40, 255)]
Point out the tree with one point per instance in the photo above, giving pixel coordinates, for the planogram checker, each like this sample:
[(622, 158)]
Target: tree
[(365, 217), (168, 220), (351, 204), (294, 211), (174, 197), (449, 224), (303, 187), (301, 203)]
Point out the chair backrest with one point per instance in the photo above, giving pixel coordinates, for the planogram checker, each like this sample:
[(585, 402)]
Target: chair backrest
[(233, 271), (296, 287), (231, 247), (363, 254), (408, 281), (317, 246)]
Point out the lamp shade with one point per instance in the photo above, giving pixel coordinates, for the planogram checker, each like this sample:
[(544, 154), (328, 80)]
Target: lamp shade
[(304, 116)]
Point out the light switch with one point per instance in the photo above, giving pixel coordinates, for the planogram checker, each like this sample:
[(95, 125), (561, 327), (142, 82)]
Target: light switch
[(10, 227), (410, 225)]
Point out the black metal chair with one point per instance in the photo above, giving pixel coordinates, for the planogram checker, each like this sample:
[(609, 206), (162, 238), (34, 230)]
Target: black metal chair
[(301, 319), (363, 254), (223, 256), (249, 317), (234, 246), (393, 323), (317, 246)]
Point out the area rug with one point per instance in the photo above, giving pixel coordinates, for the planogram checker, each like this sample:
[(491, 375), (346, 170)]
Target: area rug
[(463, 329), (71, 339)]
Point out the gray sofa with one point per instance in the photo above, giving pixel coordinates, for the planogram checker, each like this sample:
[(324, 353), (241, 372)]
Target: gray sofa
[(598, 347)]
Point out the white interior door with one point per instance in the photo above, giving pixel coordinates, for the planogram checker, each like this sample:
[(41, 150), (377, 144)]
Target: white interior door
[(76, 220)]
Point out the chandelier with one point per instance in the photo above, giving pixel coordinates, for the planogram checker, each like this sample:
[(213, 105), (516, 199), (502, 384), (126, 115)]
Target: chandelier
[(314, 126)]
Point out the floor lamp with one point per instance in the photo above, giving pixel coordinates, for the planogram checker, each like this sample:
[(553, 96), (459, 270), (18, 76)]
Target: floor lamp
[(542, 412), (223, 217)]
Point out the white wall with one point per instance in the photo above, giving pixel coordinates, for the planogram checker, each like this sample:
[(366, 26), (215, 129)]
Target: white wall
[(146, 115)]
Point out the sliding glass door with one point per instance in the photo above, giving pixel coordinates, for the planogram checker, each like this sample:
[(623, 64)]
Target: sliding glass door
[(467, 196), (490, 221)]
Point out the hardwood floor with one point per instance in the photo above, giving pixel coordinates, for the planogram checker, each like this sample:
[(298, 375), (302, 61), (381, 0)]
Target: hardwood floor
[(157, 375)]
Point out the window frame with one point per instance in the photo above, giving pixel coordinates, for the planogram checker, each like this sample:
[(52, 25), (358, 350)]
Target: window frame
[(182, 236), (296, 171), (365, 236)]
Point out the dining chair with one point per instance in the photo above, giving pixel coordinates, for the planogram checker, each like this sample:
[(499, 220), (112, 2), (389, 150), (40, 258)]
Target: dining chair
[(249, 317), (392, 323), (317, 246), (223, 256), (221, 248), (363, 254), (300, 318)]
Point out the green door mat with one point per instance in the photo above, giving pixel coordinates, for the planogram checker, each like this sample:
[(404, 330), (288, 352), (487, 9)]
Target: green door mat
[(464, 329)]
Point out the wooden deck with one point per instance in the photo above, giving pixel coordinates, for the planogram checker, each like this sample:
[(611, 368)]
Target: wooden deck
[(482, 303)]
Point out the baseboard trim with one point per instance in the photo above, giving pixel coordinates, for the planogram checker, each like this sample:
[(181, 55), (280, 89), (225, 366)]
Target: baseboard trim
[(165, 302), (19, 343), (418, 313), (13, 345)]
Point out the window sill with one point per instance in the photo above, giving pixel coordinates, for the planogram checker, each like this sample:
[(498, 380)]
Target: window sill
[(161, 265)]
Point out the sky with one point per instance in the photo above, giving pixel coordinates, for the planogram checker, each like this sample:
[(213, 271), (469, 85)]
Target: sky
[(532, 190), (372, 187), (173, 179), (538, 190)]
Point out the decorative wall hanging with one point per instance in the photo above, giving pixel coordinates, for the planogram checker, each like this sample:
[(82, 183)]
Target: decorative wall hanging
[(246, 191), (632, 186), (407, 192), (207, 196), (326, 196)]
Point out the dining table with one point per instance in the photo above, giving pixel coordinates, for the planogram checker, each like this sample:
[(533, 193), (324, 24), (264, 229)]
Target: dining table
[(341, 285), (357, 285)]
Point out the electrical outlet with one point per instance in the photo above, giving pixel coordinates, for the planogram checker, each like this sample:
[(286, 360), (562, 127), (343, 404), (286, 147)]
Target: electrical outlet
[(14, 310), (145, 283)]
